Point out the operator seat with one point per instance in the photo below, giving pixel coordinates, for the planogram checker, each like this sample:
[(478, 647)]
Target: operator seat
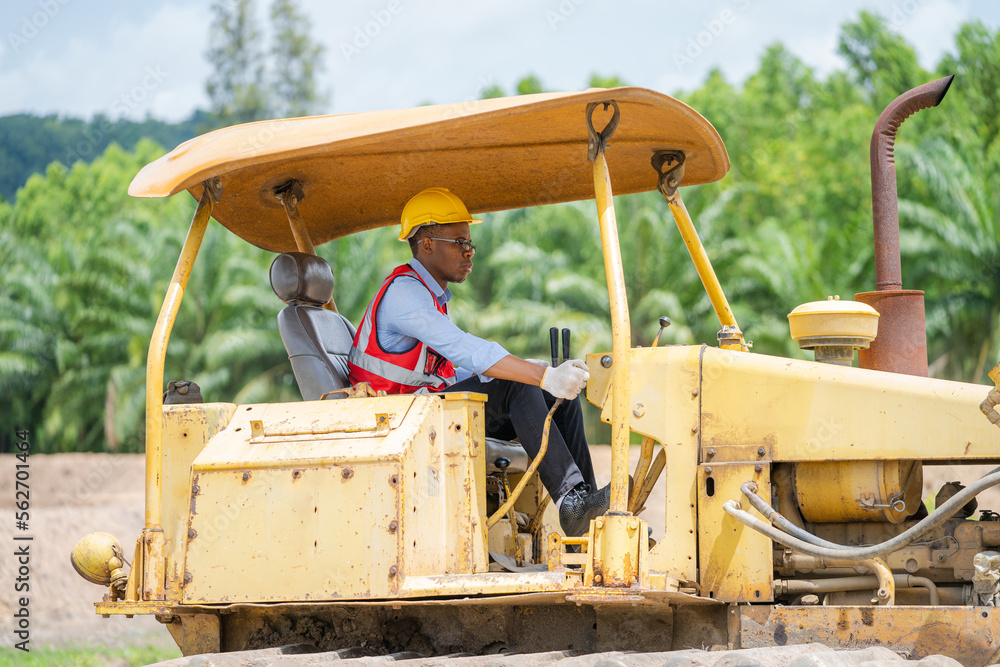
[(317, 340)]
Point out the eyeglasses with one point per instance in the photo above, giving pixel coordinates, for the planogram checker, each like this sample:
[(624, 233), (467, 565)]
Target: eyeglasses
[(465, 244)]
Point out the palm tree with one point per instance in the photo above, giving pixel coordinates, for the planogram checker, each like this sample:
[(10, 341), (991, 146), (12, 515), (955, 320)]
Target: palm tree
[(28, 322), (953, 203)]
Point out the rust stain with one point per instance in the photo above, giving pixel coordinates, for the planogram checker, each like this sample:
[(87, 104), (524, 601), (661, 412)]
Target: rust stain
[(843, 623), (191, 509)]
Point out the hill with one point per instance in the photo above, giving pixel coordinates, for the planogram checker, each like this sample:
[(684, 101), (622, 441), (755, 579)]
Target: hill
[(29, 143)]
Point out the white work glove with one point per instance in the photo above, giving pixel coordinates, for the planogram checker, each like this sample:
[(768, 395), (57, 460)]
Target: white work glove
[(566, 380), (538, 362)]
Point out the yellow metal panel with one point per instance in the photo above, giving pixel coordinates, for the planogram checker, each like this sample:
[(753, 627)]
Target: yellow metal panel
[(443, 508), (293, 534), (664, 398), (311, 433), (970, 635), (735, 561), (405, 498), (808, 411), (665, 401), (599, 384), (186, 431)]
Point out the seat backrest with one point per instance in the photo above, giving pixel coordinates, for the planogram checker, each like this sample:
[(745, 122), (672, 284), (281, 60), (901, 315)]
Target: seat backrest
[(317, 340)]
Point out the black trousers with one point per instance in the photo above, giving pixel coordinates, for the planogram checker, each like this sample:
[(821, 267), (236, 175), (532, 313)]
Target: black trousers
[(518, 409)]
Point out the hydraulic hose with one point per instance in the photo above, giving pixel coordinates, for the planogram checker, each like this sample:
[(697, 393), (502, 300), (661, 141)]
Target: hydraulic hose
[(749, 490), (844, 552)]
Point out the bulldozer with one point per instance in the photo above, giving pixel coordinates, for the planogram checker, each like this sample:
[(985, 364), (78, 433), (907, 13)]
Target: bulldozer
[(387, 524)]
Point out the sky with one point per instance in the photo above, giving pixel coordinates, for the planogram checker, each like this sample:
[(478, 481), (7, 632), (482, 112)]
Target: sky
[(129, 59)]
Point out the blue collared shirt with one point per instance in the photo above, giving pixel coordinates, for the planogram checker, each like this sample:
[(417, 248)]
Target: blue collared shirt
[(407, 314)]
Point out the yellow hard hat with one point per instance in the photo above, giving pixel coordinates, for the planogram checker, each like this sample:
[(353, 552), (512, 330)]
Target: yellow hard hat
[(433, 206)]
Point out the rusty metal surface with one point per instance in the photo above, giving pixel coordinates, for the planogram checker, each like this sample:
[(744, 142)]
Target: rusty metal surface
[(901, 343), (186, 431), (970, 635), (620, 546), (494, 632), (195, 633), (888, 275)]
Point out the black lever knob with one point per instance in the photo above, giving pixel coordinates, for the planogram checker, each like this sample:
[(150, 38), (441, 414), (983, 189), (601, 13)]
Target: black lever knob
[(502, 463), (565, 342), (664, 323), (554, 345)]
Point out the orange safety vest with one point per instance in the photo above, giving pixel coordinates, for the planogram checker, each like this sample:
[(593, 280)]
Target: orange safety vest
[(397, 372)]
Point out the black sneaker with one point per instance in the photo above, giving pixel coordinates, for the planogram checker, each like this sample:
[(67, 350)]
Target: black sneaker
[(580, 506)]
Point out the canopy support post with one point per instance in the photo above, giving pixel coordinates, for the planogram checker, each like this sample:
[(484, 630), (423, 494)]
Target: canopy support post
[(152, 539), (290, 194)]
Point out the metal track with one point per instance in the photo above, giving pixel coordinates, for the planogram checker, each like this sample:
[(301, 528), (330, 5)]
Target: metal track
[(810, 655)]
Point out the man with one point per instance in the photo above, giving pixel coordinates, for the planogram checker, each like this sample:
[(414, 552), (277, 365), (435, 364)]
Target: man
[(407, 343)]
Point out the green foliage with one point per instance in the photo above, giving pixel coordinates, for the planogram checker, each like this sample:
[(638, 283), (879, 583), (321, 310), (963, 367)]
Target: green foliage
[(250, 84), (529, 85), (86, 267), (598, 81), (28, 144), (880, 60), (297, 61), (491, 92), (83, 267), (235, 86), (87, 657)]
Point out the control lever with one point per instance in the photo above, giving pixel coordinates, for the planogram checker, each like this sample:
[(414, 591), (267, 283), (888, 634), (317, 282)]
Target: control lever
[(503, 463), (507, 508), (664, 323)]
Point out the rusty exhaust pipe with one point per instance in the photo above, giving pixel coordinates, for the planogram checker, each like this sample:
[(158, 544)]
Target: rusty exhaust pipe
[(901, 345)]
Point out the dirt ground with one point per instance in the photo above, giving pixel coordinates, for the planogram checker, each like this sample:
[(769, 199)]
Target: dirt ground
[(75, 494)]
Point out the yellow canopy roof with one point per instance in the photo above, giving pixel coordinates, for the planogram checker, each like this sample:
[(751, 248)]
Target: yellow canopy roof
[(358, 170)]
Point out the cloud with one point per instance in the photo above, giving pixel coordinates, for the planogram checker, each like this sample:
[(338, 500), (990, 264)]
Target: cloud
[(130, 68), (928, 25), (84, 61)]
